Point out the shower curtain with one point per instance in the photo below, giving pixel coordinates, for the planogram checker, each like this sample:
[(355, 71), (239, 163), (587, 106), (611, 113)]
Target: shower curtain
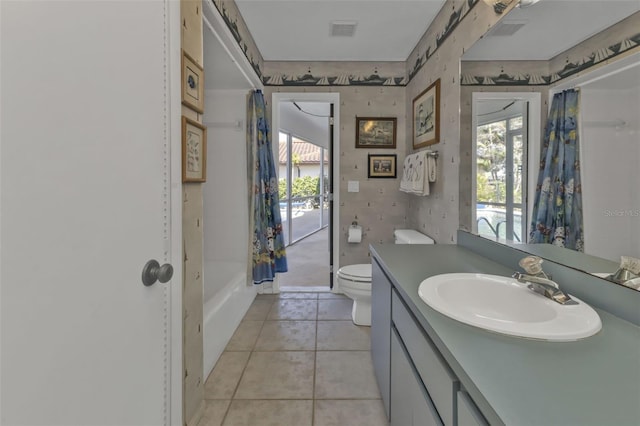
[(266, 247), (557, 210)]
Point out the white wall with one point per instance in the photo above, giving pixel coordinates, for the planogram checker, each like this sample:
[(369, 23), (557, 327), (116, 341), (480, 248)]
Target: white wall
[(611, 172), (225, 192), (304, 126)]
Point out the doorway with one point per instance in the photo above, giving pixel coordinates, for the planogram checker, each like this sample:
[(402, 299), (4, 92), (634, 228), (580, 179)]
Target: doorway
[(307, 168), (503, 125)]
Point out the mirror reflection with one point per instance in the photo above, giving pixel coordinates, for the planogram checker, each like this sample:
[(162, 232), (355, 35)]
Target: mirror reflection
[(520, 177), (500, 168)]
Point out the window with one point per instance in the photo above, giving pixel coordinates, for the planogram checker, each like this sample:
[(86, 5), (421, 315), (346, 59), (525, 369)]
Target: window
[(303, 187), (501, 175)]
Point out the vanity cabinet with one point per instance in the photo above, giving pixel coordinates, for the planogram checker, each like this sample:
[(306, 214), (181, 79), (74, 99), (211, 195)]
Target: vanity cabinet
[(417, 385), (410, 402), (468, 413), (381, 330), (473, 377), (440, 382)]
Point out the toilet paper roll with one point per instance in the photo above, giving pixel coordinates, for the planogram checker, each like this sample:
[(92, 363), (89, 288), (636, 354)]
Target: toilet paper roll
[(355, 234)]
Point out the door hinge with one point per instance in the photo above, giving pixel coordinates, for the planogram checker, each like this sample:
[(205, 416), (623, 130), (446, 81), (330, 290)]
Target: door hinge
[(331, 121)]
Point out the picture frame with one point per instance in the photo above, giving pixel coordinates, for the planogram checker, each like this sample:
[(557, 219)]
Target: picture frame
[(426, 116), (376, 132), (382, 166), (194, 151), (192, 83)]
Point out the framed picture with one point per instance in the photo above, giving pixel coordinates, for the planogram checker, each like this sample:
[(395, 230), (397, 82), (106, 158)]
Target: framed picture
[(194, 151), (192, 83), (426, 117), (382, 166), (376, 132)]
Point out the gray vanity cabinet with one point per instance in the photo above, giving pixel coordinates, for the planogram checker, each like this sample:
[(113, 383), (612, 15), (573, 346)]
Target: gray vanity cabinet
[(468, 413), (441, 383), (417, 385), (409, 401), (381, 330)]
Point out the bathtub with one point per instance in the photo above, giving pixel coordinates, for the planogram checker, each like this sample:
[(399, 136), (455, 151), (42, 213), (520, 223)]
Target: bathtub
[(227, 298)]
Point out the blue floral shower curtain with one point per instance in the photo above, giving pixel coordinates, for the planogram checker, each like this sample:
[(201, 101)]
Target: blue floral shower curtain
[(266, 253), (557, 211)]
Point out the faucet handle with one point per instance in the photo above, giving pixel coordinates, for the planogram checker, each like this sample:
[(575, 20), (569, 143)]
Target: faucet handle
[(531, 264)]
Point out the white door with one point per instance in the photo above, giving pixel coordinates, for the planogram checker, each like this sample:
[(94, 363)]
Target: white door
[(84, 205)]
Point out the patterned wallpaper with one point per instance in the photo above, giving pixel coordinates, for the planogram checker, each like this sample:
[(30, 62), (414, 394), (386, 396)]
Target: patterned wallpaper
[(450, 16), (438, 214), (192, 304)]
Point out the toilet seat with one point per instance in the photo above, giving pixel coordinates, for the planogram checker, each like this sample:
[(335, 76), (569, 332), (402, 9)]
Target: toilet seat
[(360, 273), (355, 280)]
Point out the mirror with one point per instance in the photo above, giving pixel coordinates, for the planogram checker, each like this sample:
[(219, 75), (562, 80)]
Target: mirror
[(524, 58)]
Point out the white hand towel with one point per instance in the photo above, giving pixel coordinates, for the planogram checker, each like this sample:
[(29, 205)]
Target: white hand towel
[(416, 173), (421, 185)]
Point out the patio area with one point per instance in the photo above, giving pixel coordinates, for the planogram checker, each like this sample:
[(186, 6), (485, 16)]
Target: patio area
[(308, 261)]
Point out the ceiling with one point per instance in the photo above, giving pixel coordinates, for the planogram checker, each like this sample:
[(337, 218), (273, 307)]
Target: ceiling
[(551, 27), (388, 30), (299, 30), (308, 121)]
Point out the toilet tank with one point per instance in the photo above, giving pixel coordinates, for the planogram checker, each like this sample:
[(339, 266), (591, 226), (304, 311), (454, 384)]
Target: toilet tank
[(411, 236)]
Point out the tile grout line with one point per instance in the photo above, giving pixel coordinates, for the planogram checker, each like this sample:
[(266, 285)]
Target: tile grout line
[(315, 368), (226, 412), (274, 303), (251, 351)]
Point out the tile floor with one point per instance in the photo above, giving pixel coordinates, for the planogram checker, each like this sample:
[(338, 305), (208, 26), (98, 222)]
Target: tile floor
[(296, 359)]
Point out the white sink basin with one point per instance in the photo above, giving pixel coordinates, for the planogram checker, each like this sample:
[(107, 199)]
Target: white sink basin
[(503, 305)]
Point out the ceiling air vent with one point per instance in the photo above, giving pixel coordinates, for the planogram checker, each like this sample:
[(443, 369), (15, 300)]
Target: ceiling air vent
[(507, 28), (343, 28)]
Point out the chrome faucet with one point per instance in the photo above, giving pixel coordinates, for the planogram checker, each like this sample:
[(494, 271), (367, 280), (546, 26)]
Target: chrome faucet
[(540, 282), (545, 287)]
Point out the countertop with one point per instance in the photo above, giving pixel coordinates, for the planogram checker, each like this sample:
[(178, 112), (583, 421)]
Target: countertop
[(515, 381)]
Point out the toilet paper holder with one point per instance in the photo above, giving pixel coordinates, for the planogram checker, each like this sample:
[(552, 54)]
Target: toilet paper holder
[(354, 235)]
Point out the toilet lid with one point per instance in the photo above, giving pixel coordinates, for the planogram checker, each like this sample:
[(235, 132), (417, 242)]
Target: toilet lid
[(359, 272)]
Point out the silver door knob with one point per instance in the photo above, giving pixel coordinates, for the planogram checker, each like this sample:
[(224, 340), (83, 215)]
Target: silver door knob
[(153, 272)]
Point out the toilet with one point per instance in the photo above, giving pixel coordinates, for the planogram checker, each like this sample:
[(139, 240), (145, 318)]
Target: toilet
[(355, 280)]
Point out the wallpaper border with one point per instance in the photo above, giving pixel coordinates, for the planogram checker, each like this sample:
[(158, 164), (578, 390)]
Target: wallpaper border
[(521, 79), (237, 35)]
